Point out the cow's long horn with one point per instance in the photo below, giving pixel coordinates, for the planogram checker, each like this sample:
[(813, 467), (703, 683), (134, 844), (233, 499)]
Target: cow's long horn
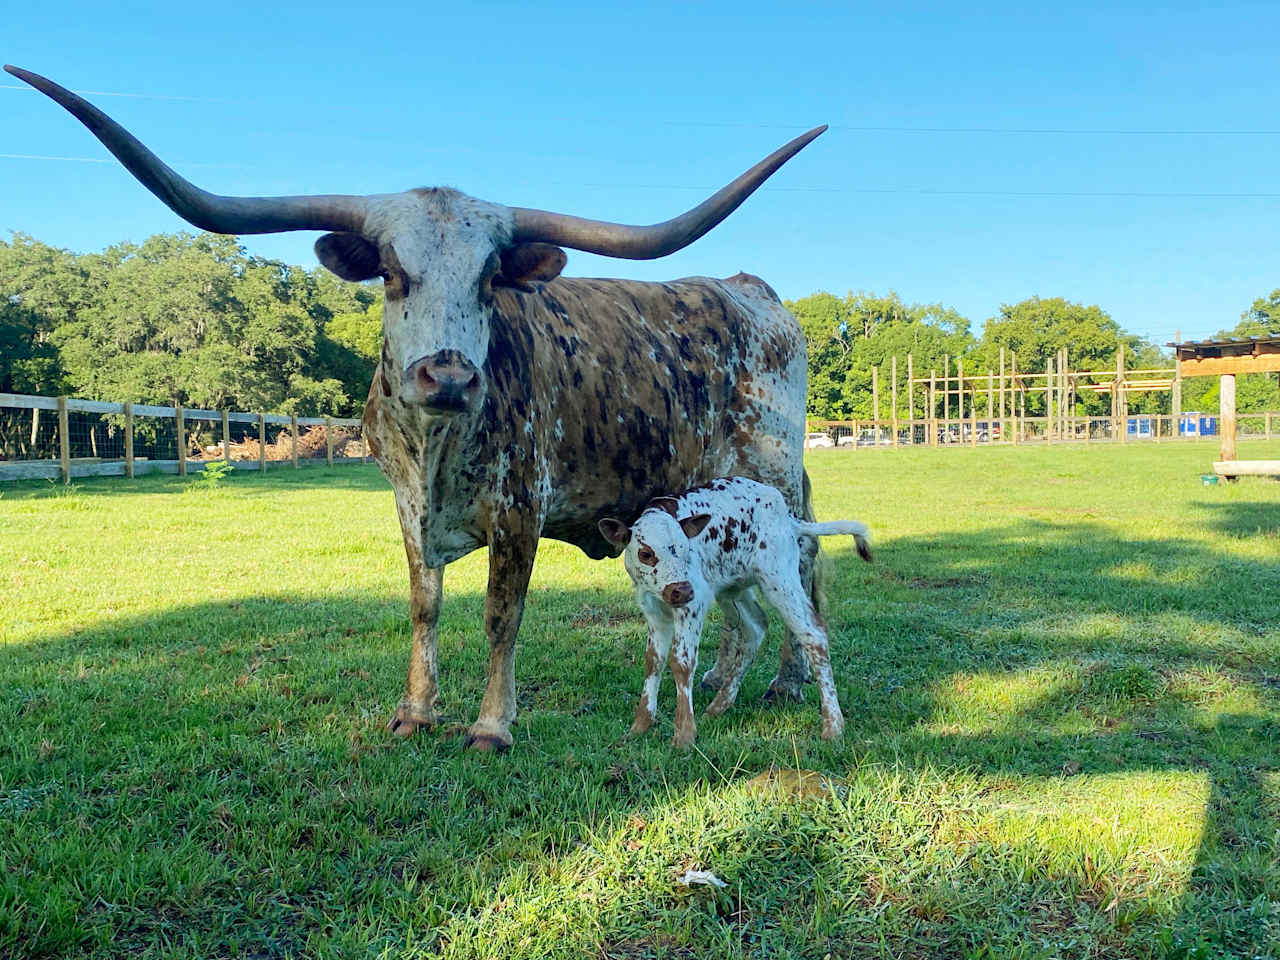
[(660, 239), (207, 211)]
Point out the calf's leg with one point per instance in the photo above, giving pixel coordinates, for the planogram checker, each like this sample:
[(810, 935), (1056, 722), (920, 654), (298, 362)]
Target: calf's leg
[(796, 610), (660, 634), (683, 662), (749, 624)]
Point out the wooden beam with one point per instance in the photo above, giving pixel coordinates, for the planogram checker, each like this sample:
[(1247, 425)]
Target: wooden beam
[(911, 407), (328, 440), (1227, 416), (181, 428), (293, 432), (262, 443), (1247, 468), (893, 393), (64, 440), (1217, 366), (226, 437), (128, 440)]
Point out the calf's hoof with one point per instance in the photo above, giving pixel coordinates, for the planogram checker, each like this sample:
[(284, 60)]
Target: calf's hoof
[(832, 731), (409, 719), (782, 691), (683, 739), (641, 726), (711, 680), (719, 705)]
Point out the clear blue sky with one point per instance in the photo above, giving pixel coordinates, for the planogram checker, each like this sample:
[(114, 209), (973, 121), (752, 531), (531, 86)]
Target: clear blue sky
[(1123, 155)]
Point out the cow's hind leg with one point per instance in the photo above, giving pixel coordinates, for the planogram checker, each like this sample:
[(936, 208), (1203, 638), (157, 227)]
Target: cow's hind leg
[(417, 709), (510, 565)]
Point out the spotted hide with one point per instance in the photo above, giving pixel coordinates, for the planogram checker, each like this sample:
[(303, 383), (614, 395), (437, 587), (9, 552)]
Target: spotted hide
[(716, 543)]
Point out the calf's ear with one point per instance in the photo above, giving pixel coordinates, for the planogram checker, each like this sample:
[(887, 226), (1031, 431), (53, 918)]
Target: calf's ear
[(526, 262), (692, 526), (349, 255), (615, 531)]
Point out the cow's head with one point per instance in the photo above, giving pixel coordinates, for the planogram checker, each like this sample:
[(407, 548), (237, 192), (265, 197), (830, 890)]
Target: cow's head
[(439, 252)]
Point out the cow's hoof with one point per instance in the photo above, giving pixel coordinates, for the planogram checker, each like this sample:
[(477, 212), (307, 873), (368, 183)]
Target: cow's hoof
[(488, 742), (711, 680), (640, 727), (683, 739), (832, 731), (719, 705), (408, 720), (780, 693)]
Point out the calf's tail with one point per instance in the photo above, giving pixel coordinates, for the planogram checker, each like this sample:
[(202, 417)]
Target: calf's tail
[(861, 535), (821, 562)]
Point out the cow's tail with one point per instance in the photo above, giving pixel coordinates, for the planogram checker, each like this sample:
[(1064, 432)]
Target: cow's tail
[(821, 562), (834, 528)]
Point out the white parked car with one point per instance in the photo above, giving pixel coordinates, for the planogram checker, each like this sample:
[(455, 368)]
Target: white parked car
[(815, 440)]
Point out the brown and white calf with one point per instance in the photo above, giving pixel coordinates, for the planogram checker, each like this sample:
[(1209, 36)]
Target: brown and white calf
[(716, 542)]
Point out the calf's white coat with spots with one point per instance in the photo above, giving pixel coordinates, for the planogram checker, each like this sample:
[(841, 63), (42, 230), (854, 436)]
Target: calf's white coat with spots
[(715, 543)]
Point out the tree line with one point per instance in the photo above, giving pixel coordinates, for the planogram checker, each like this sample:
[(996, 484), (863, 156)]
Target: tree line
[(849, 336), (193, 319)]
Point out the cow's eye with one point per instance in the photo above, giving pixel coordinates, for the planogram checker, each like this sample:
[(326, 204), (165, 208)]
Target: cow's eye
[(647, 556)]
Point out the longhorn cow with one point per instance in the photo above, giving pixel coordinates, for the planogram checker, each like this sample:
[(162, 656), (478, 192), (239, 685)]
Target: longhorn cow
[(511, 404)]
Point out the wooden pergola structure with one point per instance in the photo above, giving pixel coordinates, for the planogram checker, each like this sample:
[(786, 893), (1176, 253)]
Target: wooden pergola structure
[(1225, 359)]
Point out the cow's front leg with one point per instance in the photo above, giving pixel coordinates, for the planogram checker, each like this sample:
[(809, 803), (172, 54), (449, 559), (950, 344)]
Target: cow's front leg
[(750, 624), (417, 709), (510, 565)]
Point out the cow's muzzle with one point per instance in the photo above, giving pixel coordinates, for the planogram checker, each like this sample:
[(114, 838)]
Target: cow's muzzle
[(677, 594), (445, 383)]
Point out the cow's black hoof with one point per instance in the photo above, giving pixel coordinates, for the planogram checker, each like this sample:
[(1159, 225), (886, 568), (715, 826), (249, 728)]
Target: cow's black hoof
[(488, 742)]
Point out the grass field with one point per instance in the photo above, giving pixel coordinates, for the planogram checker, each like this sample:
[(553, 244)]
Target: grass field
[(1061, 680)]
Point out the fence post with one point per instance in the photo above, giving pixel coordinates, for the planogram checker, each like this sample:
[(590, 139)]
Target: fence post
[(182, 440), (64, 440), (933, 410), (328, 440), (293, 430), (1177, 386), (893, 396), (911, 407), (1121, 406), (1227, 416), (226, 438), (262, 443), (128, 440), (1268, 424)]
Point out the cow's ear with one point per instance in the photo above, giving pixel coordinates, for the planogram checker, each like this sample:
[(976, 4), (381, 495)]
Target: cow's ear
[(669, 504), (349, 255), (692, 526), (615, 531), (526, 263)]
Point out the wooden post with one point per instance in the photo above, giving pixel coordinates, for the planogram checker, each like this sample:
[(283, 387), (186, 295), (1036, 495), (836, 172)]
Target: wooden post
[(1048, 401), (128, 440), (893, 399), (1014, 394), (1004, 427), (293, 431), (64, 440), (1268, 424), (328, 440), (973, 412), (911, 407), (855, 435), (35, 426), (1122, 411), (226, 438), (1064, 414), (946, 390), (1227, 416), (181, 426), (1176, 400), (933, 409), (991, 406), (262, 443), (875, 401)]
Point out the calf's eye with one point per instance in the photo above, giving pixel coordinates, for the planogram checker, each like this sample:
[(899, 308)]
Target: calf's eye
[(647, 556)]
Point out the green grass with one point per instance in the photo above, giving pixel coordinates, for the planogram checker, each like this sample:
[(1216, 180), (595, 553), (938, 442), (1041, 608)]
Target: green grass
[(1061, 680)]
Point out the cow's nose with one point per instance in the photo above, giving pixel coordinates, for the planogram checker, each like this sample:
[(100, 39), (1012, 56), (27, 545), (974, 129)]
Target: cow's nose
[(444, 384), (677, 594)]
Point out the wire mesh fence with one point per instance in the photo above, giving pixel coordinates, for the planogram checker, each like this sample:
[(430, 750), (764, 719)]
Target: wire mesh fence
[(51, 437)]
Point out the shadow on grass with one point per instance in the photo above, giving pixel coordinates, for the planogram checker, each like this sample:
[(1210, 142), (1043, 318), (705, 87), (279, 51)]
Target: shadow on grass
[(352, 476), (233, 757)]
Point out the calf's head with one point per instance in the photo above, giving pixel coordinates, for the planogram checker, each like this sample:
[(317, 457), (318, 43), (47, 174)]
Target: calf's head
[(439, 252), (658, 551)]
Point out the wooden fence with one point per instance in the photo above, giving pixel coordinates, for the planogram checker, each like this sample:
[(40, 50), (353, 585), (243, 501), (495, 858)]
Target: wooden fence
[(63, 437)]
